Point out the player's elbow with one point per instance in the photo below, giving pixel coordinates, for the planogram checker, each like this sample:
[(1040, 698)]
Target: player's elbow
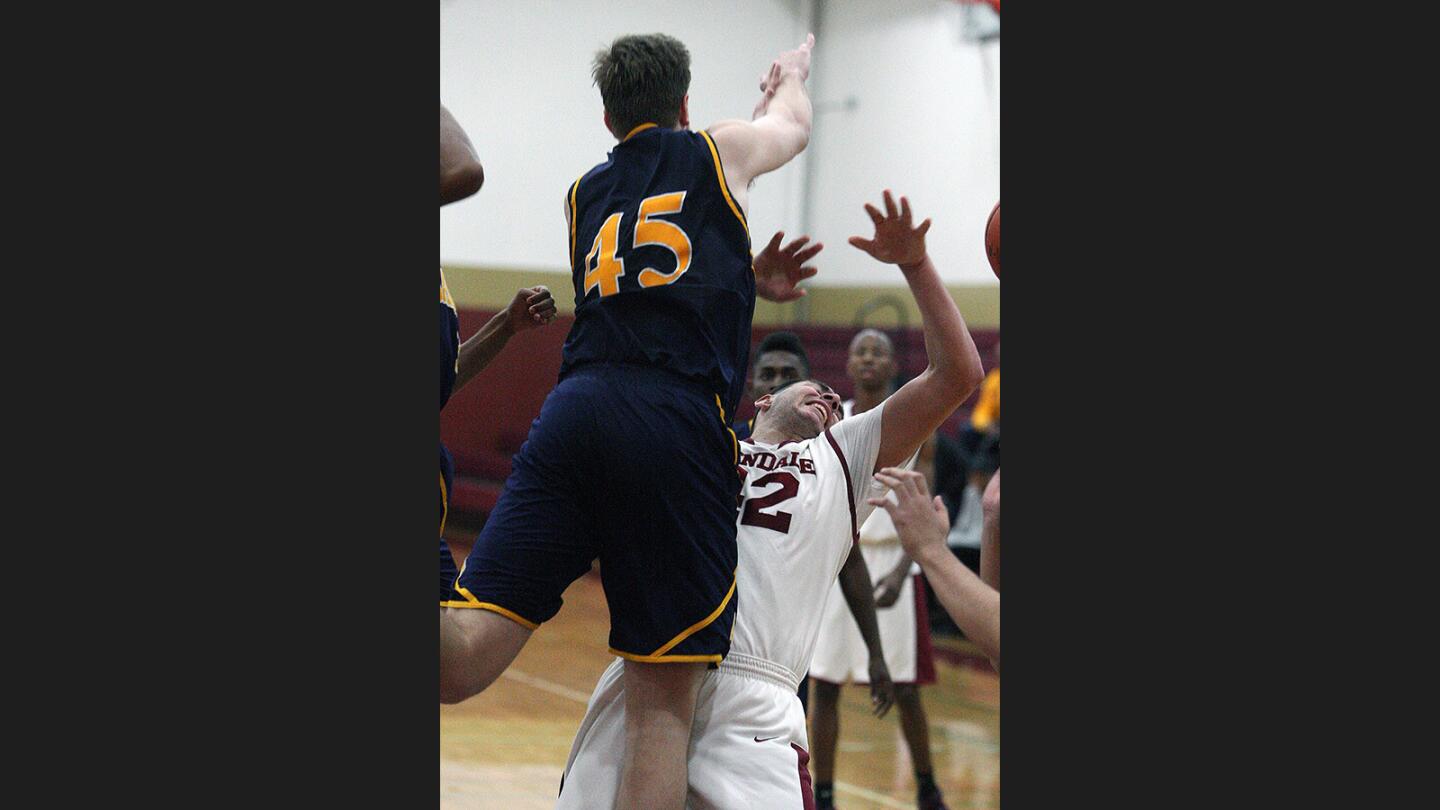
[(462, 181), (962, 375)]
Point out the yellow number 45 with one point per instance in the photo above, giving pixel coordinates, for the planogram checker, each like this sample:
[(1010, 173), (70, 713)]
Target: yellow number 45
[(603, 268)]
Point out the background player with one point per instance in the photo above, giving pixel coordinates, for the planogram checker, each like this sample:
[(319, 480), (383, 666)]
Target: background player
[(779, 360), (461, 176), (797, 524), (665, 293), (841, 654)]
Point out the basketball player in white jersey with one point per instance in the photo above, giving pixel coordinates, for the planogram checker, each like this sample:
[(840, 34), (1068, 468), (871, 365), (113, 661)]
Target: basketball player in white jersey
[(805, 494), (840, 654)]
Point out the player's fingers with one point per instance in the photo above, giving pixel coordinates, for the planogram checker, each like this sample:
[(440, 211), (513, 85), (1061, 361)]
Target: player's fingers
[(939, 504), (905, 211), (806, 272), (890, 209), (775, 241), (885, 478), (795, 244), (874, 213), (793, 295), (924, 226), (863, 243), (809, 253), (918, 484), (809, 42), (882, 503)]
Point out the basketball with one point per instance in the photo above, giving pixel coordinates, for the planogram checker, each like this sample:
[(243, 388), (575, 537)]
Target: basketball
[(992, 239)]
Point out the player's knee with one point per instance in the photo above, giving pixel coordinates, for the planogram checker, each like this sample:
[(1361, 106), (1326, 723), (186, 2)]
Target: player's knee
[(458, 683)]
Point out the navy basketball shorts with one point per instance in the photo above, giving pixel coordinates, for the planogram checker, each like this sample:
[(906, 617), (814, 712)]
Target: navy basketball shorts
[(447, 560), (636, 467)]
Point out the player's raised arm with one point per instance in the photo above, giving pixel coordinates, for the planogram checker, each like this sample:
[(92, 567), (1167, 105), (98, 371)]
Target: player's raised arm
[(914, 412), (990, 533), (460, 172), (781, 125), (923, 524)]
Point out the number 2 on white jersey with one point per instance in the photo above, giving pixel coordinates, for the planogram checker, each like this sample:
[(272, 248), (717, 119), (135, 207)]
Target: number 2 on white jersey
[(607, 268)]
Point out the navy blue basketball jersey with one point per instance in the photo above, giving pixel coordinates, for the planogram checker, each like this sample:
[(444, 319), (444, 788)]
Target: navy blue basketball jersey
[(449, 353), (449, 341), (660, 255)]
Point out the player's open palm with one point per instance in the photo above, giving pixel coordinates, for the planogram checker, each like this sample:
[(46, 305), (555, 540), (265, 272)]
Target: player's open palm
[(531, 308), (779, 271), (921, 521), (897, 240)]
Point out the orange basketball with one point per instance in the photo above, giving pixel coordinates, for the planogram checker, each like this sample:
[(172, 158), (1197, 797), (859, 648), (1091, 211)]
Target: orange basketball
[(992, 239)]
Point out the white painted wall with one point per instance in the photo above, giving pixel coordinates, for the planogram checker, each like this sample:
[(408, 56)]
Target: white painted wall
[(926, 124), (516, 75), (925, 121)]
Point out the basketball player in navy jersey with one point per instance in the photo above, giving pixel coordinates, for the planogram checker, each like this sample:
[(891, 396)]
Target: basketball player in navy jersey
[(461, 176), (632, 459)]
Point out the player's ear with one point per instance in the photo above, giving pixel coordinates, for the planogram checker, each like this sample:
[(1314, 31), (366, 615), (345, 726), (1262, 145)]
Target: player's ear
[(609, 128), (685, 112), (763, 403)]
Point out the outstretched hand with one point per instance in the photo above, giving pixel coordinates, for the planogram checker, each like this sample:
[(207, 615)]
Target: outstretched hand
[(778, 271), (796, 61), (897, 240), (921, 522), (531, 308)]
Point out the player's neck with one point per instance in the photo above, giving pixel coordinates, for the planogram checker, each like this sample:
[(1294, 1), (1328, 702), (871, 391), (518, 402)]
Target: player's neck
[(768, 434), (867, 398)]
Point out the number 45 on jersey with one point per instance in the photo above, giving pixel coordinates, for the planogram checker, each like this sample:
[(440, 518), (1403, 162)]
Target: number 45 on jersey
[(603, 268)]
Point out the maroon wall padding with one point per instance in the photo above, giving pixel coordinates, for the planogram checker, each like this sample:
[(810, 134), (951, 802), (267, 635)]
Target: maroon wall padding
[(485, 422)]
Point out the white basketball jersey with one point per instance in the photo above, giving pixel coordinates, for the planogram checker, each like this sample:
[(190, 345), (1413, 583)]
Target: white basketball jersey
[(879, 528), (804, 503)]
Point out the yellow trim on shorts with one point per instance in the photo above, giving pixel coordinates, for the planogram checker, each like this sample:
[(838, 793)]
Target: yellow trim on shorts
[(471, 602), (668, 659), (724, 186), (659, 655), (475, 603)]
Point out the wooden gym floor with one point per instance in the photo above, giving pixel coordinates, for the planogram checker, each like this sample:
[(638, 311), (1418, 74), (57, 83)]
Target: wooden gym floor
[(506, 747)]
